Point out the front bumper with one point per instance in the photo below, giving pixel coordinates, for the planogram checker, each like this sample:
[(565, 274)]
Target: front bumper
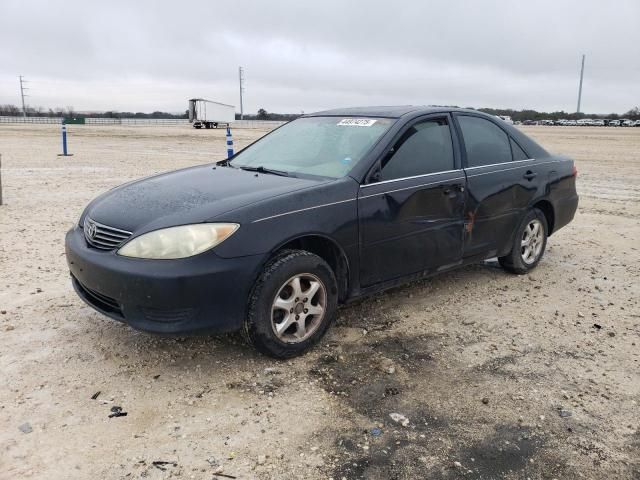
[(204, 293)]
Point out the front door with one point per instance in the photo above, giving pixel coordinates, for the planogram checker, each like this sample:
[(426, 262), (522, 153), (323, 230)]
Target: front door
[(411, 212)]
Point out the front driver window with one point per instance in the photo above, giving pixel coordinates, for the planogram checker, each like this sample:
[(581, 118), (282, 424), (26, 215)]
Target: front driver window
[(424, 148)]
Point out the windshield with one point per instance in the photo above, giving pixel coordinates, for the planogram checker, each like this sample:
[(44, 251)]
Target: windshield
[(322, 146)]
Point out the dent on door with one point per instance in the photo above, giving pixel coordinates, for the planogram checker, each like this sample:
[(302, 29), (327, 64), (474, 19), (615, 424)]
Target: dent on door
[(497, 201), (410, 230)]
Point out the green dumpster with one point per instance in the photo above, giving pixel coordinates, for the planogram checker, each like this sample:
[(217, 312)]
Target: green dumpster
[(74, 120)]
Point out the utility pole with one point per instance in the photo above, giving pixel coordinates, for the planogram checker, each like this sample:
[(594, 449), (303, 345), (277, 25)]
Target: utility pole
[(580, 87), (22, 89), (241, 78)]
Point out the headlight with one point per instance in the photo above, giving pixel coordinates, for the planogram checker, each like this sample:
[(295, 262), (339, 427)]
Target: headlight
[(178, 242)]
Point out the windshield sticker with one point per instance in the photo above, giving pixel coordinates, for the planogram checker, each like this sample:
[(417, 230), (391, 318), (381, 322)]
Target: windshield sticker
[(357, 122)]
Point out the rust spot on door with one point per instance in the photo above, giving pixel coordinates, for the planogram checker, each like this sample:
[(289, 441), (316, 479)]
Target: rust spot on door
[(468, 225)]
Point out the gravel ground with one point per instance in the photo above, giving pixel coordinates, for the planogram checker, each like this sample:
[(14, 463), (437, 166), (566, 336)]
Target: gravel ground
[(474, 374)]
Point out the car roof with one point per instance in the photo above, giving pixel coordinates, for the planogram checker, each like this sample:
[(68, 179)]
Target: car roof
[(394, 111)]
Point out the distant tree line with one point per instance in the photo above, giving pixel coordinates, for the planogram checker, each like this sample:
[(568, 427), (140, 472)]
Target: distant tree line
[(262, 114), (521, 115), (14, 111), (156, 114)]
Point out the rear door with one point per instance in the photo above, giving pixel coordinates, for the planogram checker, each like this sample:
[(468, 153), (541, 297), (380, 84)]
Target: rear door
[(501, 182), (411, 211)]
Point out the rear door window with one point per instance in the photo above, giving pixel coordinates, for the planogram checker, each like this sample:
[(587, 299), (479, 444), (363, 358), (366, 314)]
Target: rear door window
[(424, 148), (484, 141)]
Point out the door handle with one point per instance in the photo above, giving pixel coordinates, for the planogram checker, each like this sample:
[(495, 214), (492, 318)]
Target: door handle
[(529, 175)]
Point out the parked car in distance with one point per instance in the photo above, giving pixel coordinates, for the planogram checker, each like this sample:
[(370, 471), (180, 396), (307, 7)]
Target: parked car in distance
[(330, 207), (545, 122), (530, 122), (598, 122), (625, 122), (614, 123), (505, 118)]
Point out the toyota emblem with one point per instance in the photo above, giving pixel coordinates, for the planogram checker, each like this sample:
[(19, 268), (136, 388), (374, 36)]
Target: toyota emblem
[(90, 229)]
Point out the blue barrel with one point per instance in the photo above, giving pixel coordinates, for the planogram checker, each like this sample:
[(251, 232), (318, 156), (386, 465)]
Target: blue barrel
[(229, 143), (64, 139)]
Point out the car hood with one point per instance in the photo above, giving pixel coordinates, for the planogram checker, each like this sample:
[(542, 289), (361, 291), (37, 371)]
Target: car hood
[(192, 195)]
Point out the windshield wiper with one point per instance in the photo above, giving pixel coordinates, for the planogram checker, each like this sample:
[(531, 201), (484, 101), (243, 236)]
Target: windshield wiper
[(262, 169)]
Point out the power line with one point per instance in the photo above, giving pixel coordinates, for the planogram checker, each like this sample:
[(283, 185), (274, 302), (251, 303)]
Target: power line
[(580, 87), (241, 79), (22, 95)]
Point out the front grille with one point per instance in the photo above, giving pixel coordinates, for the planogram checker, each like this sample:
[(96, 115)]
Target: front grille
[(102, 236)]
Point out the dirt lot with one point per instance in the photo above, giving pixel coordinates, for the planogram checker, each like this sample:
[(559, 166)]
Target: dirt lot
[(499, 376)]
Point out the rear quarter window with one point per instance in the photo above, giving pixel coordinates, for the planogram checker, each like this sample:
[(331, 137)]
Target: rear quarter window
[(518, 153), (485, 143)]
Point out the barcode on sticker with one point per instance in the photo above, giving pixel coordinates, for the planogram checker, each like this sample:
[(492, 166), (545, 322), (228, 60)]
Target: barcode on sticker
[(357, 122)]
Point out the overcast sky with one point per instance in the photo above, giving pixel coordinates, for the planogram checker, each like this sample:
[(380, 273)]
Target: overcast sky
[(310, 55)]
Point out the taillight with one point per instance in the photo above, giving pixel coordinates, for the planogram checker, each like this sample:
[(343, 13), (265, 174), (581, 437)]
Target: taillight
[(574, 173)]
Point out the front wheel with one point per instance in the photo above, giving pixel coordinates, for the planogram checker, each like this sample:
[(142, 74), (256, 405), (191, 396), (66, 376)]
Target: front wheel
[(529, 244), (292, 304)]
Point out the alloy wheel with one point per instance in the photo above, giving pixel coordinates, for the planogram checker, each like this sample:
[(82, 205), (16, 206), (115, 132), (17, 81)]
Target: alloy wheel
[(298, 308), (532, 241)]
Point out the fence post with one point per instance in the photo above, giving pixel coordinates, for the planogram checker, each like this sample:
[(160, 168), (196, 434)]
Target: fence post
[(64, 142), (229, 143)]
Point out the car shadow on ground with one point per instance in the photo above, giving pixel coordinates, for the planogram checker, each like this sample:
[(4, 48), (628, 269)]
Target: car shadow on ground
[(373, 313), (232, 346)]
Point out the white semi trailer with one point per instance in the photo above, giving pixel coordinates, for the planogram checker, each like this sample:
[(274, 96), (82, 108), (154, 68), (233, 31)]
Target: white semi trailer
[(207, 114)]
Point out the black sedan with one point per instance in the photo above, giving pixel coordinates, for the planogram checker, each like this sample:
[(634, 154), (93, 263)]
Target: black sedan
[(325, 209)]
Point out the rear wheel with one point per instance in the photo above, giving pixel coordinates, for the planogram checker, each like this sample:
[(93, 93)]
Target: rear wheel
[(529, 244), (292, 304)]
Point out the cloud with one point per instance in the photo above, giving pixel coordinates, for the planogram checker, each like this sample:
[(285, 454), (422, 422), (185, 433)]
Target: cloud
[(153, 55)]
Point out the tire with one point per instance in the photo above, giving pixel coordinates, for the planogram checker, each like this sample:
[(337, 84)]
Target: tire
[(524, 258), (278, 322)]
